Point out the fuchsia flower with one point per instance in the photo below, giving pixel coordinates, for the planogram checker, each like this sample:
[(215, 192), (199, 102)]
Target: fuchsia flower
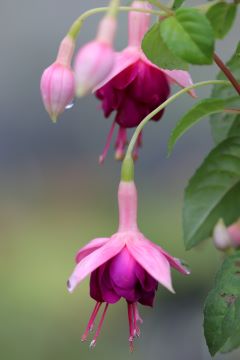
[(95, 60), (135, 86), (125, 265), (57, 82), (226, 237)]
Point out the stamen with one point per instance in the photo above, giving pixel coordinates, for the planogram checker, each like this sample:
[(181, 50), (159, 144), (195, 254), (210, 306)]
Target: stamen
[(91, 321), (93, 342), (121, 143), (136, 319), (137, 146), (131, 330), (108, 143)]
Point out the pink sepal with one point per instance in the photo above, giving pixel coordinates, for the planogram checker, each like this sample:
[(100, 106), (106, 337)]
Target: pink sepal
[(152, 261), (89, 248), (122, 60), (94, 260)]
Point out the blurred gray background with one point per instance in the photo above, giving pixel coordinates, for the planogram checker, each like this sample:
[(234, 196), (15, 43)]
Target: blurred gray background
[(55, 197)]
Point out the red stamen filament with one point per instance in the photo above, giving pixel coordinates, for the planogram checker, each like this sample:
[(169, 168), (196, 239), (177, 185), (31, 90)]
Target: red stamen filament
[(135, 320), (131, 330), (93, 342), (120, 143), (91, 321), (108, 143), (137, 146)]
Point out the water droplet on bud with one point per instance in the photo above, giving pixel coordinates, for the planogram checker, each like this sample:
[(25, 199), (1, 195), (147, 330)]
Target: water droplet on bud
[(70, 105)]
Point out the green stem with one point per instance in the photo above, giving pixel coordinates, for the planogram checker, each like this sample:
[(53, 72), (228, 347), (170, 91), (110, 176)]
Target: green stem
[(113, 8), (161, 6), (76, 26), (163, 105)]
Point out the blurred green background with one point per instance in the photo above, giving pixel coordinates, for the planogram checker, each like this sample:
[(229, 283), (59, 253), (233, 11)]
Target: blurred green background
[(55, 198)]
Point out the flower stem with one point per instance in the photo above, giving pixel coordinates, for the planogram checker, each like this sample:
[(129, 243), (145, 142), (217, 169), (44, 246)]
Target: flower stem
[(232, 111), (161, 107), (161, 6), (113, 8), (76, 26), (227, 72), (127, 173)]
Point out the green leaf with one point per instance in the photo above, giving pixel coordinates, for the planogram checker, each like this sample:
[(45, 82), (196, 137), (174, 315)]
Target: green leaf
[(177, 4), (213, 192), (232, 343), (189, 35), (158, 53), (197, 112), (221, 17), (222, 308), (223, 125)]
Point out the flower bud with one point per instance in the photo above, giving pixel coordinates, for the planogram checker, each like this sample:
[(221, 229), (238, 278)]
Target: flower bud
[(57, 82), (221, 238), (138, 23), (234, 233), (226, 237), (95, 60)]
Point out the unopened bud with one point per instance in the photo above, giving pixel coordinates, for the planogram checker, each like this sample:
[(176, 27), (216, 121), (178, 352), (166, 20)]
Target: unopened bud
[(221, 237), (57, 82), (138, 23), (234, 232), (226, 237), (95, 60)]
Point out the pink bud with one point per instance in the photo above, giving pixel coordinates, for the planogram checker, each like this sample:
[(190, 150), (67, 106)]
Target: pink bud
[(57, 82), (138, 23), (226, 237), (234, 232), (221, 238), (95, 60)]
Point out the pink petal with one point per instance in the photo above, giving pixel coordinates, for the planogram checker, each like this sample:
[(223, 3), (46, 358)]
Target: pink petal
[(122, 60), (181, 78), (94, 260), (151, 260), (89, 248), (175, 262)]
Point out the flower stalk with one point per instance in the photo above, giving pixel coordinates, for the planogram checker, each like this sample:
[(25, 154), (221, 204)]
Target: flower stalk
[(140, 127), (77, 25), (127, 173), (161, 6), (227, 73)]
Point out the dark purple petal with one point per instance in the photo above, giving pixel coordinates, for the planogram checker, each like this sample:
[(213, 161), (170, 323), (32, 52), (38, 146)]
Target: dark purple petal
[(100, 286), (150, 85), (122, 270), (131, 295), (131, 113), (124, 79), (148, 283), (95, 290), (147, 298)]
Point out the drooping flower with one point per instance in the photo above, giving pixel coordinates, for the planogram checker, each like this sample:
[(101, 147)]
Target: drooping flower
[(135, 86), (126, 265), (226, 237), (57, 81), (95, 60)]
